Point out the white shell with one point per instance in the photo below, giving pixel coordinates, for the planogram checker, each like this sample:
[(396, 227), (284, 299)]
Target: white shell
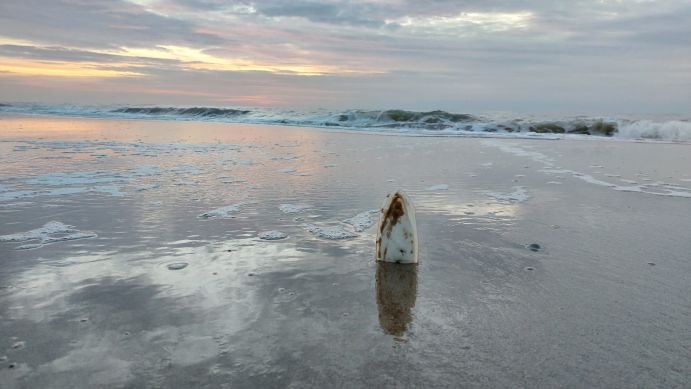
[(397, 232)]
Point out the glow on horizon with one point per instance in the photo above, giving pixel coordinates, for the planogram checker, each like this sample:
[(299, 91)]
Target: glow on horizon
[(188, 57), (196, 59), (61, 69)]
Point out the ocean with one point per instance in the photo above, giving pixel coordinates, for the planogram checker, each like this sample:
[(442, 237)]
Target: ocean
[(395, 121)]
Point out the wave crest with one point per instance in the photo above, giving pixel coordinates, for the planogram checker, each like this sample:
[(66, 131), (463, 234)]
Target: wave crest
[(193, 111), (676, 130)]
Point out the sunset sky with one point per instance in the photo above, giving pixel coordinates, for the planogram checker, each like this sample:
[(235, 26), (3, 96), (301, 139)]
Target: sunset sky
[(478, 55)]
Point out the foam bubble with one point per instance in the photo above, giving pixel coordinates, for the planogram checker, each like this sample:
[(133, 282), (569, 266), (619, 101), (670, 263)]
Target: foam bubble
[(330, 232), (272, 235), (518, 195), (51, 232), (223, 212), (293, 208), (363, 220)]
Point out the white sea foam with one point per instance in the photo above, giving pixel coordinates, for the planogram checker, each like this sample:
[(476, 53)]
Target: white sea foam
[(439, 187), (330, 232), (223, 212), (675, 187), (51, 232), (518, 195), (676, 130), (552, 169), (293, 208), (363, 220), (23, 194), (662, 188), (628, 189), (520, 152), (674, 194), (272, 235)]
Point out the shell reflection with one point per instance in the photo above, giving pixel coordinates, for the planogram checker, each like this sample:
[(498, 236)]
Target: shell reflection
[(396, 295)]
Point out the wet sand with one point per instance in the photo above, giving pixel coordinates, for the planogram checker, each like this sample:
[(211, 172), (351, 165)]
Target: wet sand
[(543, 263)]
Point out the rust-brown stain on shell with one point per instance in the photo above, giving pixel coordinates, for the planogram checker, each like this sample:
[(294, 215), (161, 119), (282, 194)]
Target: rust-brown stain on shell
[(392, 215)]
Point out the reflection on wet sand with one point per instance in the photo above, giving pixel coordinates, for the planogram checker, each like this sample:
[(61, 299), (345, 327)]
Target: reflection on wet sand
[(396, 295)]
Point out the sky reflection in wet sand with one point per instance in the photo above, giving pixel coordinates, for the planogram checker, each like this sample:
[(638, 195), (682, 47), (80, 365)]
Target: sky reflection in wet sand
[(164, 297)]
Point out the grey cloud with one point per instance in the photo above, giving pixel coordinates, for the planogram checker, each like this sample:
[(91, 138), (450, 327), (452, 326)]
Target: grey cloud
[(324, 12), (74, 55), (94, 24), (203, 5)]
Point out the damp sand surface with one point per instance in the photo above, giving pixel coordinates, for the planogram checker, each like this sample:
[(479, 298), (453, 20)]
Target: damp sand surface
[(543, 263)]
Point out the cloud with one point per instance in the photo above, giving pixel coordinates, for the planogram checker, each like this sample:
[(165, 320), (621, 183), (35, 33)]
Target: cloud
[(354, 14), (94, 24), (72, 55)]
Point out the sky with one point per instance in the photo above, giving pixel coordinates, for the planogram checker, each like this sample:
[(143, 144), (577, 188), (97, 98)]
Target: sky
[(580, 56)]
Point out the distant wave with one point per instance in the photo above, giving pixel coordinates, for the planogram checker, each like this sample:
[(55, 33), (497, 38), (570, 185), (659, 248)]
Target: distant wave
[(194, 111), (388, 121)]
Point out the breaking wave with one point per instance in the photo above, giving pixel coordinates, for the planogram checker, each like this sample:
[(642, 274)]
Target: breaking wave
[(388, 121), (194, 111), (678, 130)]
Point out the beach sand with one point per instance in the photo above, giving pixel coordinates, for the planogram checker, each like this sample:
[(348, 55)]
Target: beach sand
[(181, 254)]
